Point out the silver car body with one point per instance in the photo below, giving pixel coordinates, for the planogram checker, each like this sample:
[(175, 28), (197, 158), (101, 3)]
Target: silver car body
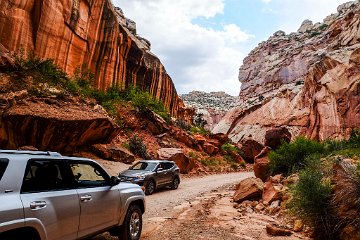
[(66, 214)]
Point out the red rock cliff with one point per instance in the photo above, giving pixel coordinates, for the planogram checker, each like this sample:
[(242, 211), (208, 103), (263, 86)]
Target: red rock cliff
[(89, 33), (308, 81)]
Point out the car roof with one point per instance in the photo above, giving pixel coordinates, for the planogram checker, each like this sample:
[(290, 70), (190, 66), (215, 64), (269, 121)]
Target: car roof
[(157, 161), (22, 155)]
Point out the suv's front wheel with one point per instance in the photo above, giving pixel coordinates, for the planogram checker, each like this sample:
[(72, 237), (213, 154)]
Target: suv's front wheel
[(131, 229)]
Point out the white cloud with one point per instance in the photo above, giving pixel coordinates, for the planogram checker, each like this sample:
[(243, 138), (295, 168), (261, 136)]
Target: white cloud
[(203, 58), (197, 58)]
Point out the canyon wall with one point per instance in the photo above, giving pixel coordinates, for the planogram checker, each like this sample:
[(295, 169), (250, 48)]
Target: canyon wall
[(307, 81), (89, 34)]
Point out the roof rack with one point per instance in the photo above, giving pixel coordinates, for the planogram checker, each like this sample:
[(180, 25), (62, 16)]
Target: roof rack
[(46, 153)]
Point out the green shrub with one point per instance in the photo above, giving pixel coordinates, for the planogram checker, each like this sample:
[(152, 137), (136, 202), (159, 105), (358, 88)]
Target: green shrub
[(199, 120), (228, 147), (138, 147), (290, 157), (210, 162), (311, 197), (201, 131), (183, 125)]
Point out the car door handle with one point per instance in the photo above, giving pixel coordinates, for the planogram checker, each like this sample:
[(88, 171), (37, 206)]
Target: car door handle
[(86, 198), (37, 205)]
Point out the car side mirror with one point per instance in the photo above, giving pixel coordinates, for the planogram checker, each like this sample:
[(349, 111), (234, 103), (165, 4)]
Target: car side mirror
[(159, 169), (114, 181)]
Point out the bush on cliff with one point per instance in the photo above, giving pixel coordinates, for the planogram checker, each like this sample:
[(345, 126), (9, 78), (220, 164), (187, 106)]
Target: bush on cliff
[(137, 146), (291, 157)]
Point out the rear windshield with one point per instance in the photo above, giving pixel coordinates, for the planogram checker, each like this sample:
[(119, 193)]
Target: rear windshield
[(3, 165)]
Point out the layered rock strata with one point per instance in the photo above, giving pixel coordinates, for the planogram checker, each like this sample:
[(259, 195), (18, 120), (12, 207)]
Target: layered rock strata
[(89, 34), (307, 81)]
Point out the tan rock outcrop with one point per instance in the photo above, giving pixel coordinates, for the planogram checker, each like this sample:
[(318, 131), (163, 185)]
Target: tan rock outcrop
[(90, 34), (306, 81)]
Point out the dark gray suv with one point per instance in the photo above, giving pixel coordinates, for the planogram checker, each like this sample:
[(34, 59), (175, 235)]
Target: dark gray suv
[(153, 174)]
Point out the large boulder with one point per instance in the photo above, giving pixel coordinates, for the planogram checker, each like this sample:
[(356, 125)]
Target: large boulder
[(251, 149), (54, 125), (248, 189), (177, 155), (261, 164), (275, 137), (112, 152)]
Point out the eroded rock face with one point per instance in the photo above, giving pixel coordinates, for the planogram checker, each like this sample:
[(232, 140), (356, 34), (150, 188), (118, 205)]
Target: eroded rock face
[(307, 81), (90, 34), (48, 127)]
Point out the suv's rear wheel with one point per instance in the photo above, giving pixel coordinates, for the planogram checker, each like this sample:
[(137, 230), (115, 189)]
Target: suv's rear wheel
[(150, 187), (175, 183), (131, 229)]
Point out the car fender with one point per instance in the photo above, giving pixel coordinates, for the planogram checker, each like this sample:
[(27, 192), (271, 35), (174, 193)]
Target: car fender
[(38, 226), (11, 225), (128, 196)]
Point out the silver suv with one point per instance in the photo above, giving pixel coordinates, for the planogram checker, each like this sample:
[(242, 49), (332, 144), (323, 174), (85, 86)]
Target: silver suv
[(44, 195)]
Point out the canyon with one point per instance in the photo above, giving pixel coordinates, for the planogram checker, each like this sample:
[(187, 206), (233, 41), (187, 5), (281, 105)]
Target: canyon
[(306, 81)]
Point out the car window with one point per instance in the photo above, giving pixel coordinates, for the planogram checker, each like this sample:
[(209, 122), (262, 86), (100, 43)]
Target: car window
[(167, 165), (89, 175), (144, 166), (3, 165), (46, 175)]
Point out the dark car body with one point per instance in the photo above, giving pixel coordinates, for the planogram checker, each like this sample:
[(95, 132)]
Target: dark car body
[(152, 174)]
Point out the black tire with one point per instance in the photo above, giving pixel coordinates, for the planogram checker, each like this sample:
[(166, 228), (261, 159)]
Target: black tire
[(150, 187), (175, 183), (132, 226)]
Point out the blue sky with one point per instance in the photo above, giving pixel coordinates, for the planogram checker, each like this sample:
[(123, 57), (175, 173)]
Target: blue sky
[(202, 42)]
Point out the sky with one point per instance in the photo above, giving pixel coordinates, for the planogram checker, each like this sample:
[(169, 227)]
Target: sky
[(202, 43)]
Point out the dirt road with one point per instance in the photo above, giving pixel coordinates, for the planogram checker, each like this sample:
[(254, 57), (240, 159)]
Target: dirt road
[(162, 205)]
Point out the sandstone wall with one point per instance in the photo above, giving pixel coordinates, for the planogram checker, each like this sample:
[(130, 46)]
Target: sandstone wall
[(91, 34), (308, 81)]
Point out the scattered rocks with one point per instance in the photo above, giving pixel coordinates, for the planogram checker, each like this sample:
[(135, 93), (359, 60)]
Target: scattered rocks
[(272, 192)]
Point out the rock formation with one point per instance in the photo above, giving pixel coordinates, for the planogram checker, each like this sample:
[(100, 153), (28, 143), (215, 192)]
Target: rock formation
[(307, 81), (88, 34), (213, 106)]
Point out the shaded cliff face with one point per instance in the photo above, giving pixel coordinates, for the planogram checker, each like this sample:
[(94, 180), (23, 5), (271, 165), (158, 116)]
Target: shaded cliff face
[(90, 34), (308, 81)]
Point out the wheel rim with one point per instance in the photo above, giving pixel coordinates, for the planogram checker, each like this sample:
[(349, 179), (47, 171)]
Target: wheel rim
[(151, 187), (176, 183), (134, 225)]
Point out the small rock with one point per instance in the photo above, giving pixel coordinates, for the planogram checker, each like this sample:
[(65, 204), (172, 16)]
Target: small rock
[(298, 226), (274, 230)]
